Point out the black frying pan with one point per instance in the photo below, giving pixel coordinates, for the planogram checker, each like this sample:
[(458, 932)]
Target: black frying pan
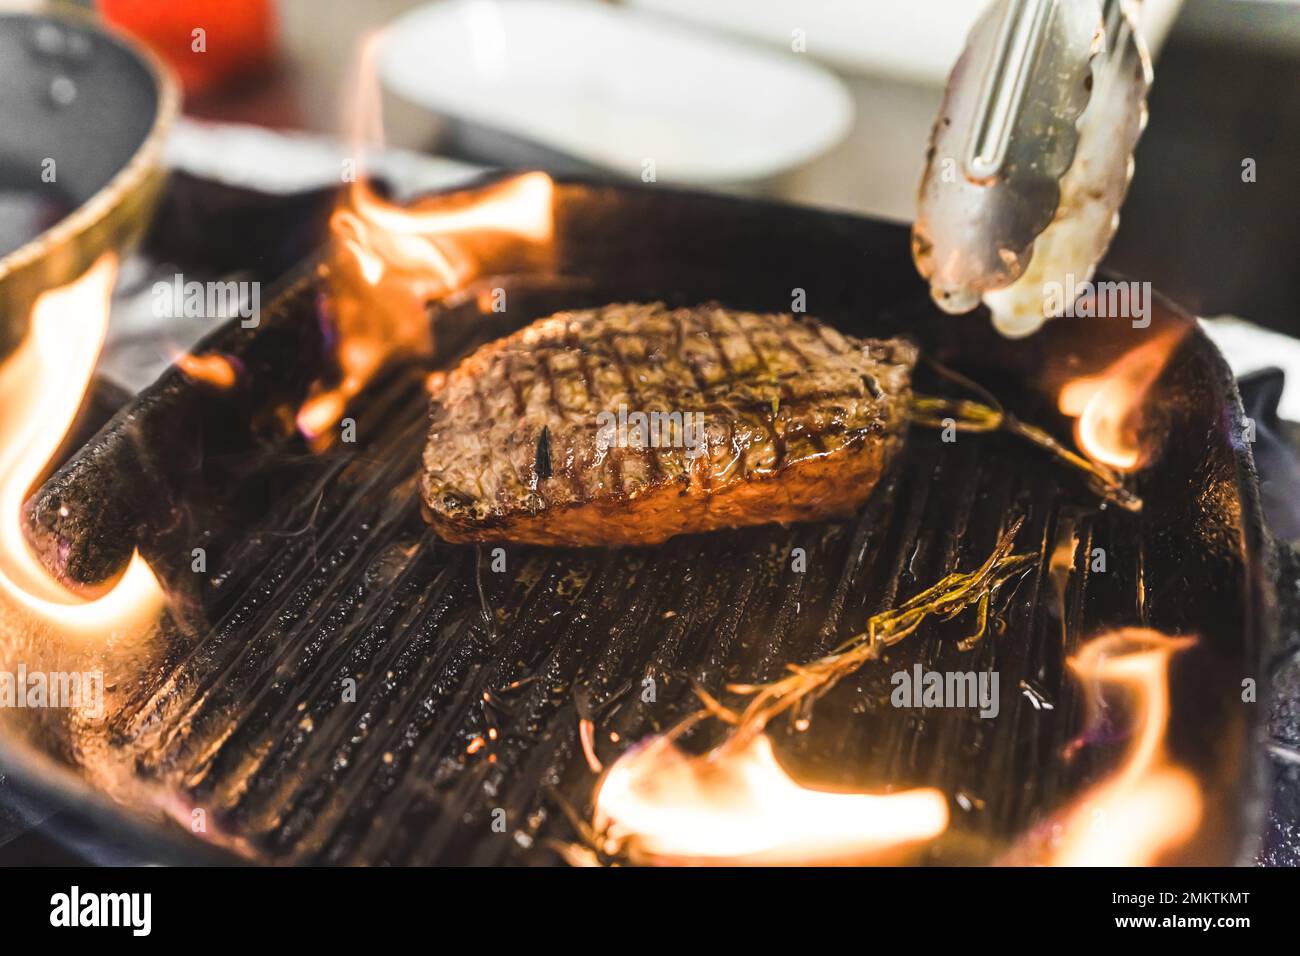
[(319, 567)]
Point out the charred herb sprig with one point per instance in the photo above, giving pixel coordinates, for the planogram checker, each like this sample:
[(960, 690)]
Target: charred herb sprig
[(806, 682), (965, 415), (968, 416)]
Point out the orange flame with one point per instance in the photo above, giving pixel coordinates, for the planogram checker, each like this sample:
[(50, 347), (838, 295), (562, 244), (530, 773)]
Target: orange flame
[(1149, 805), (1108, 408), (41, 388), (390, 261), (737, 806), (211, 369)]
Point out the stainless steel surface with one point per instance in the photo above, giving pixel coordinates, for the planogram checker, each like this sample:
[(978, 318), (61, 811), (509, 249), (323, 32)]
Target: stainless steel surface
[(1021, 34), (1044, 125), (1067, 253), (84, 113)]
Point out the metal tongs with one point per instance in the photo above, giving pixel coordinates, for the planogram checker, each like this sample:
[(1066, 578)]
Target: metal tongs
[(1031, 156)]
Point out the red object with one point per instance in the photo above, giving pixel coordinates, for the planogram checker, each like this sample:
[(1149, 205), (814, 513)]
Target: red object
[(209, 43)]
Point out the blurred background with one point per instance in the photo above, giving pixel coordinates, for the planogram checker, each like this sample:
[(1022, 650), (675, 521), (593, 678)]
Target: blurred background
[(813, 101)]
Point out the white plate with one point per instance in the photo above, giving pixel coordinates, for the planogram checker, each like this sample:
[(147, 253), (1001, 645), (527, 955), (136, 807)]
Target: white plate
[(916, 40), (617, 88)]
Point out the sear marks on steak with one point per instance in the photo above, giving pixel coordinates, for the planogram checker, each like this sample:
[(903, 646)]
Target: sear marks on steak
[(761, 418)]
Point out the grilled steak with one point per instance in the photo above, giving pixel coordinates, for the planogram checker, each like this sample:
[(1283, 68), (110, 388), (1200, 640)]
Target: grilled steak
[(629, 424)]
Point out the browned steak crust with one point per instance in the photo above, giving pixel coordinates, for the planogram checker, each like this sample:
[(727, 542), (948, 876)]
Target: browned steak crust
[(799, 422)]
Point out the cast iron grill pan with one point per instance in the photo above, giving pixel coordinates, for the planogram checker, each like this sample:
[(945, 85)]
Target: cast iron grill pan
[(470, 683)]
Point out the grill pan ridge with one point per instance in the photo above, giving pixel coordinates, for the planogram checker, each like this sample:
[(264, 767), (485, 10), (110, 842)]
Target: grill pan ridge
[(321, 571)]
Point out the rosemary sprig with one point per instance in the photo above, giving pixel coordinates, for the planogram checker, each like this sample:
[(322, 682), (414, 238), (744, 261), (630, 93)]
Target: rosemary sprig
[(807, 682), (989, 416), (968, 416)]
